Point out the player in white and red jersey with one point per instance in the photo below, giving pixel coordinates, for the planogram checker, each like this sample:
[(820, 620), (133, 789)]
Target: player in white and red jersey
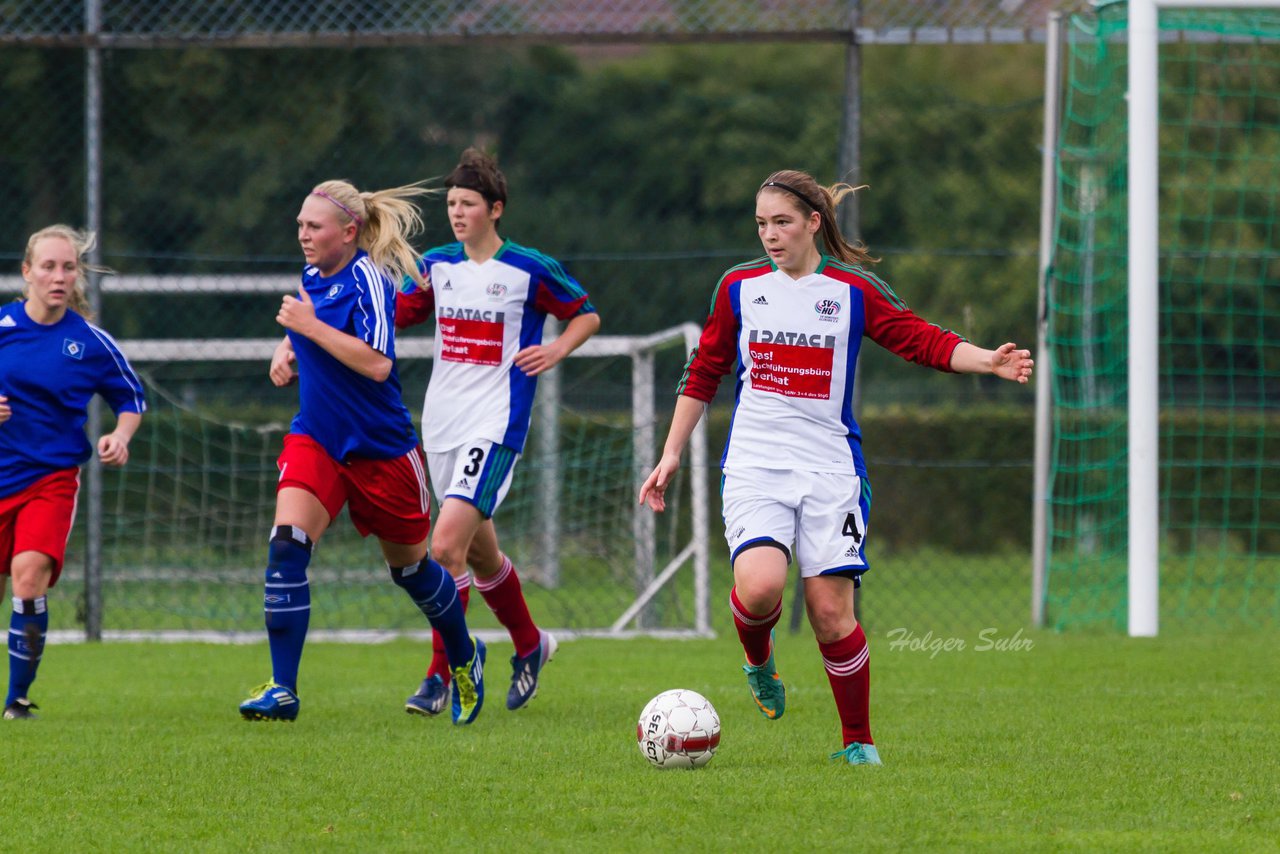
[(489, 297), (794, 475), (352, 442), (53, 360)]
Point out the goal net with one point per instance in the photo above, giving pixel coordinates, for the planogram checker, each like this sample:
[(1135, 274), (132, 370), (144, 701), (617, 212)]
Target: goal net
[(185, 523), (1219, 322)]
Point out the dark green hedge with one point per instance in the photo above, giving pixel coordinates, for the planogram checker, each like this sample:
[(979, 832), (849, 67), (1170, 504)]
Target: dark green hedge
[(946, 478)]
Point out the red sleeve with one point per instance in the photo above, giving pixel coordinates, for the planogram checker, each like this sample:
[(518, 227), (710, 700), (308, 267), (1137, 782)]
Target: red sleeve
[(717, 349), (414, 307), (547, 303), (895, 327)]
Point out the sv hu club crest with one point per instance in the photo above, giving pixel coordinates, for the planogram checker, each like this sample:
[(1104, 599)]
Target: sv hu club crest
[(827, 308)]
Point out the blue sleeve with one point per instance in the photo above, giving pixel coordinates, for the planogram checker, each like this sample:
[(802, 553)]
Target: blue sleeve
[(118, 384), (373, 317)]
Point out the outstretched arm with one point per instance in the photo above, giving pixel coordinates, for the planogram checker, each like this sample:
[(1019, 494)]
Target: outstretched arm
[(688, 411), (1006, 361)]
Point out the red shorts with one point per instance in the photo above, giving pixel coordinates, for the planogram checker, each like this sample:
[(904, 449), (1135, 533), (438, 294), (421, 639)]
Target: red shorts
[(386, 498), (38, 519)]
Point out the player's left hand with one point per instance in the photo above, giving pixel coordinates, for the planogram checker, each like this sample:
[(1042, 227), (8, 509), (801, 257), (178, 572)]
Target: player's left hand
[(297, 314), (538, 359), (1010, 363), (654, 489), (113, 450)]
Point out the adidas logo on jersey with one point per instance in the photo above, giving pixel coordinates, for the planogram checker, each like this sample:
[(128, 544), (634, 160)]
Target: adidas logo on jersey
[(760, 300), (446, 286), (852, 551), (8, 321), (463, 484)]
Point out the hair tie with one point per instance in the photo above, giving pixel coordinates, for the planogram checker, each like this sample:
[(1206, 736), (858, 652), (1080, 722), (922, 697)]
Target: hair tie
[(348, 211), (792, 190)]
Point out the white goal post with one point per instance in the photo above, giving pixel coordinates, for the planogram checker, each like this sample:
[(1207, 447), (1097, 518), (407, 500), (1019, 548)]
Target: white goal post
[(1144, 304)]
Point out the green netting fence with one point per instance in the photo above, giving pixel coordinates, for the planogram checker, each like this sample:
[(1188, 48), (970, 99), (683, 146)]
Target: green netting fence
[(186, 521), (1219, 284)]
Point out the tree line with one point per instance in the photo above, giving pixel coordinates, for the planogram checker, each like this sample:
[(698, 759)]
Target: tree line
[(637, 167)]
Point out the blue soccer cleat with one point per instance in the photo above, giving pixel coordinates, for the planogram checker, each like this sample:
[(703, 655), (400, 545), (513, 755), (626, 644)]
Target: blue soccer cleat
[(270, 702), (467, 688), (859, 754), (432, 697), (525, 671)]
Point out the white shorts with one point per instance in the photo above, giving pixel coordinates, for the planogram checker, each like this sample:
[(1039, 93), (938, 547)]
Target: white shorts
[(479, 473), (823, 513)]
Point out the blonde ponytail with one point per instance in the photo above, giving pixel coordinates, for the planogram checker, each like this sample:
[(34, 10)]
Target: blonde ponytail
[(385, 220)]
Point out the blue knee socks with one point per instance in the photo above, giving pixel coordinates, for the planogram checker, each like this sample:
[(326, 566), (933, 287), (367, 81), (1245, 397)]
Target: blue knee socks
[(433, 590), (27, 628), (287, 602)]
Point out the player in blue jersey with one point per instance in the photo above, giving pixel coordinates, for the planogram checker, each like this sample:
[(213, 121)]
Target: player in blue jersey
[(53, 360), (794, 474), (352, 441), (489, 297)]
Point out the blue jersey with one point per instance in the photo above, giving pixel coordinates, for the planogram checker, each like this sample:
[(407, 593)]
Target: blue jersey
[(349, 414), (50, 373)]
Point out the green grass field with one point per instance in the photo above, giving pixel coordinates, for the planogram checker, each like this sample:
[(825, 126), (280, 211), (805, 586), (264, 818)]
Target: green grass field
[(1082, 742)]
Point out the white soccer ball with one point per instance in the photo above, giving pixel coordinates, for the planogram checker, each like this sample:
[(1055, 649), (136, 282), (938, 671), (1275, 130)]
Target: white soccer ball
[(678, 729)]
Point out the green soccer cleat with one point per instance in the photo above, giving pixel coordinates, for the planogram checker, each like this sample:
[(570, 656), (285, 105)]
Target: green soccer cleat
[(466, 690), (859, 754), (767, 688)]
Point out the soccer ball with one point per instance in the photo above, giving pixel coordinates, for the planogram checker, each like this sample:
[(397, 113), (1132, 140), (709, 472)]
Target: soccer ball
[(678, 729)]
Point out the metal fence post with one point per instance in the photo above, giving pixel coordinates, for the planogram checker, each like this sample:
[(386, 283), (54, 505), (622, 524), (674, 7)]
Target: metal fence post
[(93, 222)]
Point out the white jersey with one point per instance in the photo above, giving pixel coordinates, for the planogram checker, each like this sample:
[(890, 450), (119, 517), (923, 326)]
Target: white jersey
[(796, 343), (485, 314)]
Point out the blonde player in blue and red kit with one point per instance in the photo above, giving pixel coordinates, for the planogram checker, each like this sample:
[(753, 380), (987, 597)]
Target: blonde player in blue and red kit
[(794, 474), (352, 441), (52, 362), (490, 298)]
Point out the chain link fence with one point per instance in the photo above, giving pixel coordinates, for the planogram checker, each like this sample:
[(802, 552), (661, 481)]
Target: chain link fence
[(200, 149), (264, 23)]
